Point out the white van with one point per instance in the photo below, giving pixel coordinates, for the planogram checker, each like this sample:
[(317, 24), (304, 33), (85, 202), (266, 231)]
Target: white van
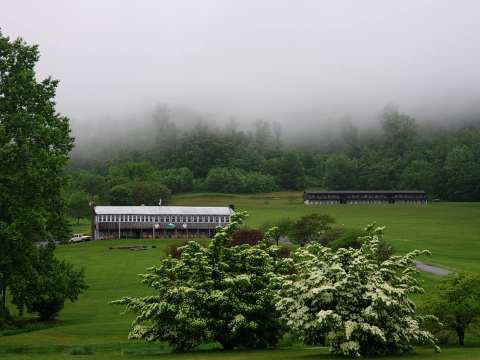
[(79, 238)]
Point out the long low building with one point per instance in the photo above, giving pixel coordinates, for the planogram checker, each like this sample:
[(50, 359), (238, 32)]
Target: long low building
[(110, 222), (313, 197)]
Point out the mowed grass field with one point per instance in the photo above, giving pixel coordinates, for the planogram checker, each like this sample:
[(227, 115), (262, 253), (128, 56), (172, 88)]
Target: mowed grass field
[(94, 329), (451, 231)]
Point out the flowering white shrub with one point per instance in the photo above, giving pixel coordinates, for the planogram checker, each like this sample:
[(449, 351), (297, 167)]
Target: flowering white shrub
[(217, 293), (360, 306)]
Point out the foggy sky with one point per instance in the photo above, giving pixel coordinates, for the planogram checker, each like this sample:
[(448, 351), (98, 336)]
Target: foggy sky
[(283, 60)]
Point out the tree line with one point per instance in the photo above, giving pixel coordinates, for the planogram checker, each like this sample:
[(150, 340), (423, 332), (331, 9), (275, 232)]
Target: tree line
[(401, 155)]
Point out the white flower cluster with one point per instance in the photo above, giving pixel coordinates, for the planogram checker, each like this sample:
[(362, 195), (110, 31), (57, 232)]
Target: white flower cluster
[(361, 306), (217, 293)]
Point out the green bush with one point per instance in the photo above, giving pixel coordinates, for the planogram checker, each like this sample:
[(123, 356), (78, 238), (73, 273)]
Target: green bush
[(220, 293)]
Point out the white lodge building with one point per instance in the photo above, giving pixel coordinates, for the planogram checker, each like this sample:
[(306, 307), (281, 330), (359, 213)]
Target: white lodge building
[(116, 222)]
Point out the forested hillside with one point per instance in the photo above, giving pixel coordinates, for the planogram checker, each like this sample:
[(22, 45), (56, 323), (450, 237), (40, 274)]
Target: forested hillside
[(400, 154)]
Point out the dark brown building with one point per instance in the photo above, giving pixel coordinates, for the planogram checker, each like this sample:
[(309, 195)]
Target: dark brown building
[(314, 197)]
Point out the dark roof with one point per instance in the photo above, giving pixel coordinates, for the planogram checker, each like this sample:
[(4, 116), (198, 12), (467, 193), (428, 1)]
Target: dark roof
[(365, 192)]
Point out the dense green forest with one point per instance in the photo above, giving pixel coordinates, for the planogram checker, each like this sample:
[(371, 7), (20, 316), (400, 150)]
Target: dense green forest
[(400, 154)]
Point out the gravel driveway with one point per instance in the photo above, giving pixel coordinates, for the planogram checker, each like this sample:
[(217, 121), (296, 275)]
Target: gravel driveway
[(434, 270)]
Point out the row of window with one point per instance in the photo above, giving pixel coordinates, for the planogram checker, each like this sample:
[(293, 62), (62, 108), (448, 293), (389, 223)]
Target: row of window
[(164, 219), (366, 196)]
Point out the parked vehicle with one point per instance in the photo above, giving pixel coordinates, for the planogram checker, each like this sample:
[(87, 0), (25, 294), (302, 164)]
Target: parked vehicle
[(79, 238)]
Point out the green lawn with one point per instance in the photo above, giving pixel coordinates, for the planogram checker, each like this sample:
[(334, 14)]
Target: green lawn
[(280, 354), (449, 230)]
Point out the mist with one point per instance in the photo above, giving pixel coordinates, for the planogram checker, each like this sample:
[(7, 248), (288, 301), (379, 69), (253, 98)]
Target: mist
[(308, 65)]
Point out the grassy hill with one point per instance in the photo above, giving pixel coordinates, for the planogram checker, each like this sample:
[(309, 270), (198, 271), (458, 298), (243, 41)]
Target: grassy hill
[(91, 325)]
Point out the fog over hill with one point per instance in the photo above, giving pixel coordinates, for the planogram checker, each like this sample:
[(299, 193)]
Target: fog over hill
[(306, 64)]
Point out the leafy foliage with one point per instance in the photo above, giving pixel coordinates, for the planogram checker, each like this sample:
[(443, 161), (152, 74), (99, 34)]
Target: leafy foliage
[(456, 303), (238, 181), (309, 228), (247, 236), (48, 284), (121, 195), (139, 193), (282, 229), (219, 293), (34, 146), (336, 238), (359, 305), (177, 180), (78, 204)]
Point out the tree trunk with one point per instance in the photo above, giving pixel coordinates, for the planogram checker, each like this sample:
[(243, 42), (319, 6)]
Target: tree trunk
[(227, 346), (461, 336), (3, 305)]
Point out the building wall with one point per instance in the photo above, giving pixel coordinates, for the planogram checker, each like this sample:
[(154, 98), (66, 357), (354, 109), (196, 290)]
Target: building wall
[(331, 198), (149, 226)]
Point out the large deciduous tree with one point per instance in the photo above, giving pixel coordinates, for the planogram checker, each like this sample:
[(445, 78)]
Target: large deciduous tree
[(220, 293), (456, 303), (360, 306), (34, 145)]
